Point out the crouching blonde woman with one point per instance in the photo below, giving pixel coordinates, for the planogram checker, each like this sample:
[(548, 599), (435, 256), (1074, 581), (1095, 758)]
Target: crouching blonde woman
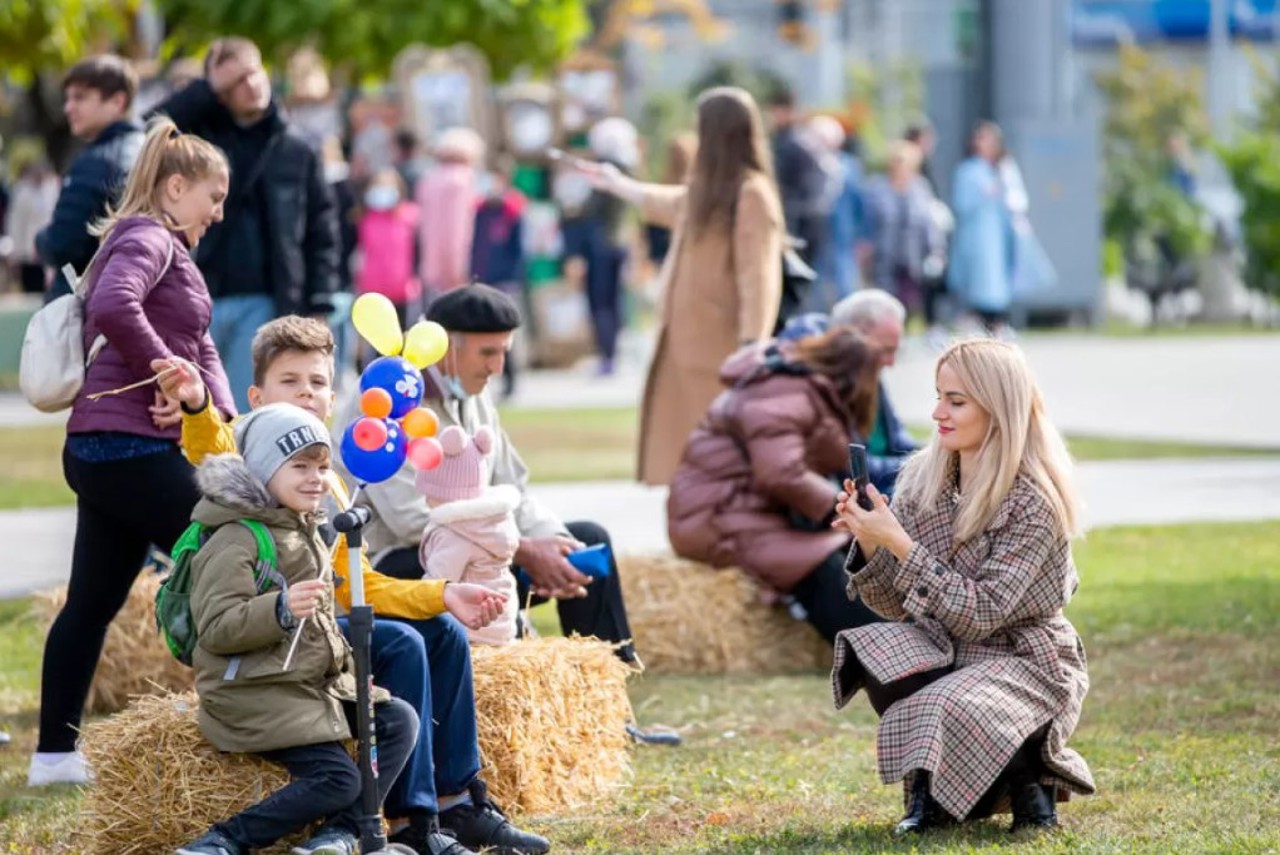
[(978, 678)]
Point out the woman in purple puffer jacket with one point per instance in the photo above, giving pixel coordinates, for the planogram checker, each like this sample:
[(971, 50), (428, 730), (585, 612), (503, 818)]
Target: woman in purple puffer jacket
[(133, 487)]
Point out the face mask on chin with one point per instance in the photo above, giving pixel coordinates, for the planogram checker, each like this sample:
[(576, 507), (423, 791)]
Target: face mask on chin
[(454, 387), (380, 197), (452, 384)]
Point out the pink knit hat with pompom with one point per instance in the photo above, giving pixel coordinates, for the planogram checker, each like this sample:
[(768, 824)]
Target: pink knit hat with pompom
[(462, 472)]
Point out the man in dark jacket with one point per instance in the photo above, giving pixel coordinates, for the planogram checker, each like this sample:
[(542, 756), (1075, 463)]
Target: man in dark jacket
[(97, 95), (276, 251), (801, 178), (879, 317)]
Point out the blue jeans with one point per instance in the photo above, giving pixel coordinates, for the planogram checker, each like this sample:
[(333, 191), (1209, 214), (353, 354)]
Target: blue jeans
[(324, 782), (235, 320), (427, 663)]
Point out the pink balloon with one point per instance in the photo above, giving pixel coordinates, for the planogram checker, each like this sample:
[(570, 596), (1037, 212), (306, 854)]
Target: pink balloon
[(370, 433), (425, 453)]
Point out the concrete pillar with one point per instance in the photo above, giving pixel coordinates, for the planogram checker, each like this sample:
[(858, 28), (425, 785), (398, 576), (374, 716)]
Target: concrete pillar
[(826, 24), (1029, 55), (1219, 78)]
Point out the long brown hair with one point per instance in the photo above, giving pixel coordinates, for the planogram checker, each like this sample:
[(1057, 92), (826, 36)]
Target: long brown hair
[(681, 151), (844, 357), (165, 152), (731, 146)]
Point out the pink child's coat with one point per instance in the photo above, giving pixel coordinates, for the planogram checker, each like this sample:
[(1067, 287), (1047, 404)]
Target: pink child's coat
[(475, 540), (386, 240), (448, 198)]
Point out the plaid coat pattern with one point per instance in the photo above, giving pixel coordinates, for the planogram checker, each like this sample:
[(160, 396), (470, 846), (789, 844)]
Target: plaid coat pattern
[(990, 610)]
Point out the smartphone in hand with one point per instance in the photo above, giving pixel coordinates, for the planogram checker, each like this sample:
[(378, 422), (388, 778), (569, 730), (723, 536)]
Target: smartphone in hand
[(859, 474)]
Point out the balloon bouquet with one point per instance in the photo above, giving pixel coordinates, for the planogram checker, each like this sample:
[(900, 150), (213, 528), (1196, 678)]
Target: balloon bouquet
[(392, 426)]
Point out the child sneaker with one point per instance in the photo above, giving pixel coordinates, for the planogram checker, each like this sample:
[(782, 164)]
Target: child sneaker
[(329, 841), (58, 768), (212, 843)]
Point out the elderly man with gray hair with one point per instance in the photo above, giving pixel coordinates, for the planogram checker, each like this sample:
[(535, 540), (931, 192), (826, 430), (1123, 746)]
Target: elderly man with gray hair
[(878, 317)]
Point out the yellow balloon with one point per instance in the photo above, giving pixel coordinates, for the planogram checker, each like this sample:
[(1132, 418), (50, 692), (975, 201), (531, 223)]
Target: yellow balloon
[(375, 317), (425, 344)]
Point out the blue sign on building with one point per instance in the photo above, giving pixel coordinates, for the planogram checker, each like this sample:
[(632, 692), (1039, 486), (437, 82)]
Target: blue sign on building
[(1107, 23)]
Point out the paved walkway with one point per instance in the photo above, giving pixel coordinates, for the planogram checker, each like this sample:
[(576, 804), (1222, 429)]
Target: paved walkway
[(1218, 390), (1206, 389), (1117, 493)]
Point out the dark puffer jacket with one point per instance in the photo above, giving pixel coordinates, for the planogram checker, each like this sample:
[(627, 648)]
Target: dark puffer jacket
[(277, 175), (95, 178), (769, 451), (147, 298)]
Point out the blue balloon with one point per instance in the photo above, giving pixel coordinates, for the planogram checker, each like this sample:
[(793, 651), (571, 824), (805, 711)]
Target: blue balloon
[(399, 378), (371, 467)]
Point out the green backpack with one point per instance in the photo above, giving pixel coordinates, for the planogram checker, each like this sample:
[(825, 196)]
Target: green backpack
[(173, 600)]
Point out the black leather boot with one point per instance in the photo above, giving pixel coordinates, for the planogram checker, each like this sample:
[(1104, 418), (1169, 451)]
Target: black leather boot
[(923, 813), (1034, 805)]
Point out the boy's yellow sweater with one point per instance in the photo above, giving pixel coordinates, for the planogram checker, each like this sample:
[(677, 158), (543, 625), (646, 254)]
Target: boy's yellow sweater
[(205, 433)]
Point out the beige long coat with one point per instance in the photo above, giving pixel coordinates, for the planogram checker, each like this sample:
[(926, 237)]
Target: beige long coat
[(719, 289)]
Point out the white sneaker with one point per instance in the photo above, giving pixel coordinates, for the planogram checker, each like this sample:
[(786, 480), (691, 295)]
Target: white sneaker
[(58, 768)]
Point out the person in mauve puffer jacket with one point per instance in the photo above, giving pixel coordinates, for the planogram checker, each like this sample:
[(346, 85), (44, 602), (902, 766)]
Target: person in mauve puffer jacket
[(757, 484)]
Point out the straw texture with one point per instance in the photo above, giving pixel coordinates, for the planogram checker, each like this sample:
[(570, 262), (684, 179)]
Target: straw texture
[(552, 716), (690, 618), (159, 784), (135, 660)]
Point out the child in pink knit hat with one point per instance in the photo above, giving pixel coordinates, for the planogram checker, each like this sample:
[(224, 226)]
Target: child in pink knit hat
[(472, 534)]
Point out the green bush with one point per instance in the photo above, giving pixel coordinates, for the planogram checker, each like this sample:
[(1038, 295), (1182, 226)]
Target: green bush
[(1254, 164), (1148, 103)]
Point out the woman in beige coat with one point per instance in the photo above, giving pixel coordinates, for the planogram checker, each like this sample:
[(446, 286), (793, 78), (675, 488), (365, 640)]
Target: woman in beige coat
[(722, 278)]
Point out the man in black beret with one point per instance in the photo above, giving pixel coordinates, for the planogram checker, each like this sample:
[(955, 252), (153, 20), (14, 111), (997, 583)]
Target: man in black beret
[(480, 321)]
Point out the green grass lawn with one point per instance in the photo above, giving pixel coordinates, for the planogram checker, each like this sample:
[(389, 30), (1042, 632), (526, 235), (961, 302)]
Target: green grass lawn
[(558, 445), (1180, 624)]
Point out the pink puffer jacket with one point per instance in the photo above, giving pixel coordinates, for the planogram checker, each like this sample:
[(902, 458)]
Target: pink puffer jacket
[(769, 449)]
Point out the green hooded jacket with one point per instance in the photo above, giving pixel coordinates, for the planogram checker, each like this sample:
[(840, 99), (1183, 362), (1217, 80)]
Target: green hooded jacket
[(248, 701)]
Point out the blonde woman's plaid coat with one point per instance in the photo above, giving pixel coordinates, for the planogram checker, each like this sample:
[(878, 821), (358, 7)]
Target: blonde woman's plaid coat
[(992, 611)]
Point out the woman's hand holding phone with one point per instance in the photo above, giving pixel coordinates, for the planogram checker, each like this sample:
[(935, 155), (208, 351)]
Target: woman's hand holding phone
[(872, 528)]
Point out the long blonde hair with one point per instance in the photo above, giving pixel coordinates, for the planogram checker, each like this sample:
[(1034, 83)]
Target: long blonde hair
[(165, 152), (1020, 441)]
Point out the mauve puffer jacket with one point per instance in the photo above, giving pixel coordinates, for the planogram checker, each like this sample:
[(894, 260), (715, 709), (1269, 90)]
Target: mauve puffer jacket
[(144, 318), (766, 451)]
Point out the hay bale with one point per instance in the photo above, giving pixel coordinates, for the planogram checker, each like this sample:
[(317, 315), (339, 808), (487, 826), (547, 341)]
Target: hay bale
[(551, 715), (690, 618), (135, 660), (159, 784)]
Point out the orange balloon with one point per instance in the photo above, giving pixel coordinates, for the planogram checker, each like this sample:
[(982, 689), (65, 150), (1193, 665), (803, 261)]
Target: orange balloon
[(376, 403), (420, 423)]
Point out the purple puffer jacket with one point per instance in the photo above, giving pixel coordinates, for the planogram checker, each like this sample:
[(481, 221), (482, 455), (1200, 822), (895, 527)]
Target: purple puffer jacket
[(144, 319)]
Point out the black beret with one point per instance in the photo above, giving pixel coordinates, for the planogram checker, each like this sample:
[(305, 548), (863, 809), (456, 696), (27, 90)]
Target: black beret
[(475, 308)]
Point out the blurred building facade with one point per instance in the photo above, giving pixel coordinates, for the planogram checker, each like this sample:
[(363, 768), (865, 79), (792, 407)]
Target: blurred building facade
[(1028, 64)]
